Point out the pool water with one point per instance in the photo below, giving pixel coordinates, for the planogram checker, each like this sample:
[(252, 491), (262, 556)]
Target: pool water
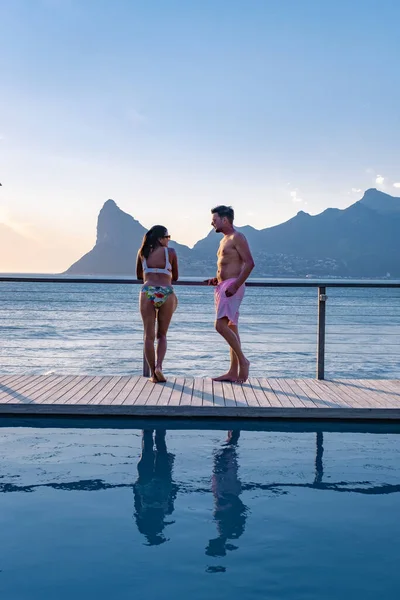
[(122, 513)]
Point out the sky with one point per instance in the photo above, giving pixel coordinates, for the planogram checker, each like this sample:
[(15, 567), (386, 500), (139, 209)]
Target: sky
[(170, 107)]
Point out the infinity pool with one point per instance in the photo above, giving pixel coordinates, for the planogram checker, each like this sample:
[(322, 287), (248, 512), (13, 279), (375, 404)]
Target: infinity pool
[(122, 514)]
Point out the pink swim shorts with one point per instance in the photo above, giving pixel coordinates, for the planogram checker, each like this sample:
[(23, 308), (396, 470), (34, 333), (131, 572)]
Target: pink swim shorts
[(228, 306)]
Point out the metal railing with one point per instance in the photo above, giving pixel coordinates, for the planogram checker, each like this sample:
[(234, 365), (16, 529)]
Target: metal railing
[(19, 304)]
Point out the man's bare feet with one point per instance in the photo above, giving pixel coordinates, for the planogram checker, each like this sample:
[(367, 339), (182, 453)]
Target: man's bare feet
[(243, 372), (159, 375), (232, 377), (153, 379)]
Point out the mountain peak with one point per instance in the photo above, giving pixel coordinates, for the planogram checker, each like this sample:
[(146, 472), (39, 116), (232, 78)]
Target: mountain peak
[(116, 226), (380, 201), (110, 204)]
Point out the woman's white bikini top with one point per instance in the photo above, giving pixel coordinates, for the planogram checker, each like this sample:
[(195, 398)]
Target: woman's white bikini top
[(167, 269)]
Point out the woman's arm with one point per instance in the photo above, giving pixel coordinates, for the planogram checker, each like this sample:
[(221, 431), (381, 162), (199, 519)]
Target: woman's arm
[(173, 259), (139, 267)]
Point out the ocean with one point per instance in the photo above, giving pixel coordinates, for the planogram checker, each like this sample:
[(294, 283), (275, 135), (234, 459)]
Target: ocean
[(96, 329)]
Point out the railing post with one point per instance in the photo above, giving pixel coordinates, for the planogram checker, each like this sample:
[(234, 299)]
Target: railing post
[(322, 298), (319, 466), (146, 369)]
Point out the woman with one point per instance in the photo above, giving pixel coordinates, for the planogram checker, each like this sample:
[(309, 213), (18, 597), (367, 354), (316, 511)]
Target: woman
[(157, 266)]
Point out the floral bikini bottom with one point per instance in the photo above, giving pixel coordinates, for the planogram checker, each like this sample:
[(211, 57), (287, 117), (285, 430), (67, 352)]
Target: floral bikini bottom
[(157, 294)]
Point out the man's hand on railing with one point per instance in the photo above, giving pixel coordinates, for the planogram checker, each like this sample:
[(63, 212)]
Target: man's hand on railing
[(212, 281)]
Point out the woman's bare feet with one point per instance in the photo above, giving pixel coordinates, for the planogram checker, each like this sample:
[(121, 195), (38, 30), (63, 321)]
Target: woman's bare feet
[(244, 369), (159, 375)]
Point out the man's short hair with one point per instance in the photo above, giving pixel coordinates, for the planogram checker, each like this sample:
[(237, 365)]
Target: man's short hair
[(224, 211)]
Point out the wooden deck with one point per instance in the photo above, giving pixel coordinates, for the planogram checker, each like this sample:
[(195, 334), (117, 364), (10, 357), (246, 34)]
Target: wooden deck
[(259, 398)]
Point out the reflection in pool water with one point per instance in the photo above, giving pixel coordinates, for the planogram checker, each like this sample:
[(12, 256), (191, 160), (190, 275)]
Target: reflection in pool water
[(229, 511), (117, 513), (154, 490)]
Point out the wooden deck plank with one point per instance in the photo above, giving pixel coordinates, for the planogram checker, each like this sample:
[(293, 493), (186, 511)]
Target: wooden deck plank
[(87, 394), (321, 394), (208, 399), (187, 392), (117, 390), (377, 393), (387, 391), (260, 398), (218, 393), (155, 394), (8, 379), (102, 395), (197, 396), (126, 390), (30, 388), (358, 399), (60, 384), (258, 392), (239, 394), (395, 383), (330, 390), (135, 392), (267, 389), (10, 384), (329, 393), (175, 398), (37, 391), (386, 384), (92, 392), (57, 396), (309, 398), (119, 385), (89, 385), (166, 392), (295, 398), (249, 395), (281, 396), (20, 385), (145, 393), (361, 394), (228, 394), (64, 395)]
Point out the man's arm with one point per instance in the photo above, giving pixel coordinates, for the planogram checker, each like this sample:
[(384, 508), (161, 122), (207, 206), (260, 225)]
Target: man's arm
[(243, 250)]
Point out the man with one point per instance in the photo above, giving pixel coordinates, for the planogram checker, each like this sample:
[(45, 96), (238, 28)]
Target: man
[(234, 265)]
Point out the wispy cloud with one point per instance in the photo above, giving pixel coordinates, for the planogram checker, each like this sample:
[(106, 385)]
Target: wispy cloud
[(356, 190), (295, 197), (397, 184), (379, 180)]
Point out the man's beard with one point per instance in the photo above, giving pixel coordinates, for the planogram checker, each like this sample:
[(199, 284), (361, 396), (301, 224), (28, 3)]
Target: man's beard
[(218, 230)]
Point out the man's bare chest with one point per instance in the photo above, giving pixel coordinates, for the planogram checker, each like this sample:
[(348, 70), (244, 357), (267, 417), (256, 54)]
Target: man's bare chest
[(227, 250)]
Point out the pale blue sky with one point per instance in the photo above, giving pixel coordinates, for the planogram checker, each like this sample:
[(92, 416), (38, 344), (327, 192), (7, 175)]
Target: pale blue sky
[(170, 107)]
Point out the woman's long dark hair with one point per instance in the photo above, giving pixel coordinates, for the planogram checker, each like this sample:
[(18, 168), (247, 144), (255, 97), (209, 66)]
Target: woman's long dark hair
[(151, 240)]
